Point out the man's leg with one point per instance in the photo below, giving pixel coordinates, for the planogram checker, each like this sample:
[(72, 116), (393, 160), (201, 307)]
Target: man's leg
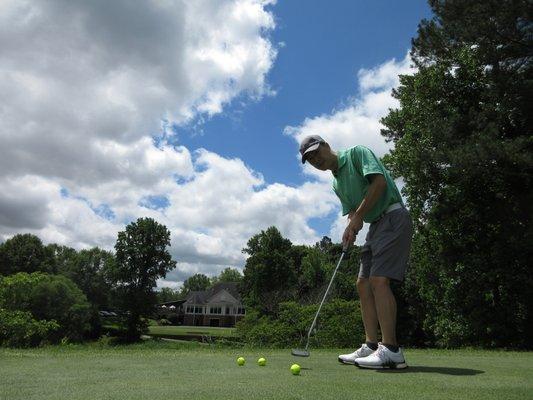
[(388, 355), (385, 306), (390, 253), (368, 309), (370, 320)]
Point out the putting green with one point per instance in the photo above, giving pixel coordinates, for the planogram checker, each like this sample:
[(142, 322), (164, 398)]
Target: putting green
[(185, 371)]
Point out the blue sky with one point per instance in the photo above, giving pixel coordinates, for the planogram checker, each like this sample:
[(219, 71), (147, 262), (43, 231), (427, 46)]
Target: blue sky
[(88, 88), (326, 43), (323, 47)]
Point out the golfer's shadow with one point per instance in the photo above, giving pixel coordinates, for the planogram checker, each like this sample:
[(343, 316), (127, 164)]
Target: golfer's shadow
[(433, 370)]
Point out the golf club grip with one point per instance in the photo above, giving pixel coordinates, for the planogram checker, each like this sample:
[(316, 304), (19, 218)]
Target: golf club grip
[(323, 298)]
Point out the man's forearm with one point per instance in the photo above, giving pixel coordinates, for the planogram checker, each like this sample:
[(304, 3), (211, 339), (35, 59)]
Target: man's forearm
[(375, 190)]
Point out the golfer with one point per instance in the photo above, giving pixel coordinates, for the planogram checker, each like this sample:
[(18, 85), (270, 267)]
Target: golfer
[(368, 194)]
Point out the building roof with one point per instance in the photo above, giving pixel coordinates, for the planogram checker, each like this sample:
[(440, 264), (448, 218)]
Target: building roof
[(203, 297)]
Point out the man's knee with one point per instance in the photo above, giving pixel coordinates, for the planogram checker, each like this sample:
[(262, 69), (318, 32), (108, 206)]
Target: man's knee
[(378, 283)]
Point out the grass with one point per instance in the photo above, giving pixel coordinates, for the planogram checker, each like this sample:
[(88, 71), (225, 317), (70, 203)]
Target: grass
[(172, 370), (191, 330)]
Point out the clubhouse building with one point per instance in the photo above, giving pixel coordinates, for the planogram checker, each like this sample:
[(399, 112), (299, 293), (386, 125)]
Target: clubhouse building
[(218, 306)]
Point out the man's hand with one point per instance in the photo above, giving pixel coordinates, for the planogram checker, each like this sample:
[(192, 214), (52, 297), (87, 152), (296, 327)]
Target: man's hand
[(353, 228)]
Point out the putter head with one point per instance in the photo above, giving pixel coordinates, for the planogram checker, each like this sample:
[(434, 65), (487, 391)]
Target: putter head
[(300, 353)]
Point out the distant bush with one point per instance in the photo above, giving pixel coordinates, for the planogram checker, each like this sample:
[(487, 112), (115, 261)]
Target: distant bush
[(20, 329), (48, 297), (339, 325)]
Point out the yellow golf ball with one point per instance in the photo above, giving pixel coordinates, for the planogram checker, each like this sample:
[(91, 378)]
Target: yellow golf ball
[(241, 361), (261, 362), (295, 369)]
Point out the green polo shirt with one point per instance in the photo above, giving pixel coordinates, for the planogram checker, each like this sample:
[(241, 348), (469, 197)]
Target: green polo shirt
[(351, 182)]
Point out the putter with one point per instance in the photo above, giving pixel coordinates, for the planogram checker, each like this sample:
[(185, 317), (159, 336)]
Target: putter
[(304, 352)]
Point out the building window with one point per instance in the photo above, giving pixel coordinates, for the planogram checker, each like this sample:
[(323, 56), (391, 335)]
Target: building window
[(227, 310), (198, 310), (240, 311), (215, 310)]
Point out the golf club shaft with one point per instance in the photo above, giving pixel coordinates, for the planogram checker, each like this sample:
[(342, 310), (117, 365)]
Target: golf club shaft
[(324, 298)]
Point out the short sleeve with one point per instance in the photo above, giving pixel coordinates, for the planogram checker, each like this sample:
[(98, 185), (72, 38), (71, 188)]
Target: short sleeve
[(366, 161)]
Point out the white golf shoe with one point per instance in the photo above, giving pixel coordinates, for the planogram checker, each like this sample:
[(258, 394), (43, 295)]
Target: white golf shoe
[(382, 358), (363, 351)]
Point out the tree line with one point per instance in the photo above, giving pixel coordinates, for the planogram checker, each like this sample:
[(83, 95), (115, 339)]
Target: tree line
[(52, 293)]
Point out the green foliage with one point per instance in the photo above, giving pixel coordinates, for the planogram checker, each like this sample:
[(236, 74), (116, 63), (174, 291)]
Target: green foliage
[(283, 285), (64, 258), (88, 269), (269, 275), (25, 253), (463, 145), (141, 258), (167, 294), (313, 269), (197, 282), (48, 298), (20, 329), (228, 275), (339, 325)]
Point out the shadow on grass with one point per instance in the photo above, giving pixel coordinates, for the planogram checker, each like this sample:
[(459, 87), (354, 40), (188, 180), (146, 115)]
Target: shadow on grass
[(433, 370)]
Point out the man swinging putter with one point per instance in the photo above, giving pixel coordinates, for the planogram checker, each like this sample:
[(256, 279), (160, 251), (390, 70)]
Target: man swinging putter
[(368, 194)]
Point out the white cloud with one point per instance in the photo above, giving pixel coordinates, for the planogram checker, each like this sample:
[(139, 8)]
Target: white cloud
[(79, 77), (383, 77), (85, 85)]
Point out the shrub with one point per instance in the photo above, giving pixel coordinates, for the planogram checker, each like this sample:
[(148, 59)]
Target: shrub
[(20, 329), (48, 297), (339, 325)]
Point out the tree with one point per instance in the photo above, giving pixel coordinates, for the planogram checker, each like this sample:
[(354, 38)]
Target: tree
[(89, 271), (141, 258), (313, 275), (228, 275), (463, 145), (269, 274), (167, 294), (325, 244), (345, 281), (48, 298), (64, 258), (25, 253), (195, 283)]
